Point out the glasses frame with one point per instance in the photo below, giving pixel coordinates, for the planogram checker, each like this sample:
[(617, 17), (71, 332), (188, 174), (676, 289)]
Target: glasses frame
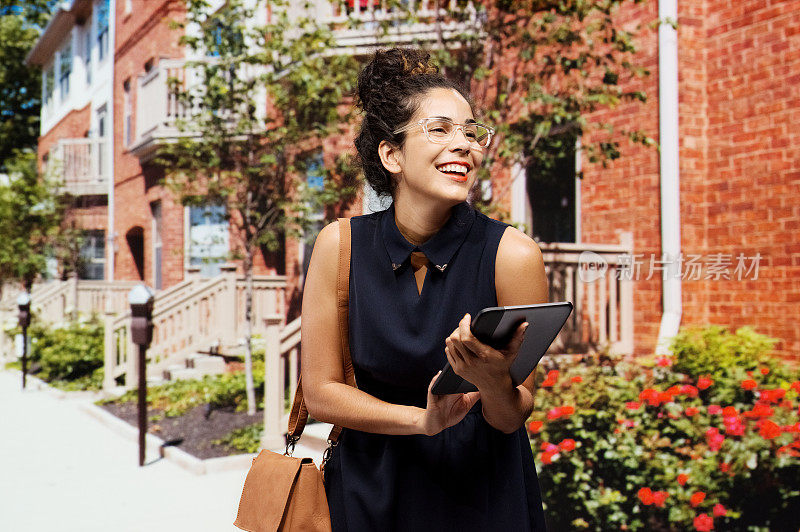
[(424, 123)]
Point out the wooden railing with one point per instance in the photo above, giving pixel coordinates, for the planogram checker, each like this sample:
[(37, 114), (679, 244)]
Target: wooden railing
[(356, 23), (281, 369), (81, 166), (602, 297), (194, 315)]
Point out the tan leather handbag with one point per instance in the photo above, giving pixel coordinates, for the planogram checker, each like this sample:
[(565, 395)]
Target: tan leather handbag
[(282, 492)]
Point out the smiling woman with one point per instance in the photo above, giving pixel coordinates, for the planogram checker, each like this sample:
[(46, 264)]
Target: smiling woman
[(407, 459)]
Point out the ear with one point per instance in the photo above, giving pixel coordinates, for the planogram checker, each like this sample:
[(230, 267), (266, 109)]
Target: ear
[(391, 156)]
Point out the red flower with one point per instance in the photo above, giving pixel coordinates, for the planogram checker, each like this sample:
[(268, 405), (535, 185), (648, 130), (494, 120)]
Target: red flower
[(546, 458), (696, 498), (769, 430), (567, 445), (759, 410), (567, 410), (704, 382), (646, 496), (703, 523), (765, 371), (650, 396), (749, 384), (665, 397), (791, 428), (659, 498), (733, 426), (714, 409), (577, 379), (664, 361), (633, 405), (549, 447), (691, 411), (796, 386), (682, 479), (688, 389), (714, 439), (535, 426), (550, 380), (729, 411), (773, 396), (724, 467), (554, 413), (719, 510)]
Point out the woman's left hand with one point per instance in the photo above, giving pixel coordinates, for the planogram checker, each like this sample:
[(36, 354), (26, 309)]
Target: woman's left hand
[(481, 364)]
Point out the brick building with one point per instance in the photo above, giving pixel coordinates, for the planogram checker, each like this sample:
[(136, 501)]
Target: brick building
[(723, 95)]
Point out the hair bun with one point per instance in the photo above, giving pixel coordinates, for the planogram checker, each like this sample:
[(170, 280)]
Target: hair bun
[(387, 67)]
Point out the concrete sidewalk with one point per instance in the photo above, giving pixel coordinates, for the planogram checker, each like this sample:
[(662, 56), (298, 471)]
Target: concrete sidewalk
[(62, 470)]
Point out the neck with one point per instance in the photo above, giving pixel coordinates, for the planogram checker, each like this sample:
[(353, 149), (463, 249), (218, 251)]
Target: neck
[(419, 222)]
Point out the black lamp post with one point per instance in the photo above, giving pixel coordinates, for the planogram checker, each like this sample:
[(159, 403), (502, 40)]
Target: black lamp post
[(141, 301), (24, 304)]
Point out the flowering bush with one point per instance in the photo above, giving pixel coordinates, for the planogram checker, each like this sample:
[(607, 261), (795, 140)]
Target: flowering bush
[(672, 443)]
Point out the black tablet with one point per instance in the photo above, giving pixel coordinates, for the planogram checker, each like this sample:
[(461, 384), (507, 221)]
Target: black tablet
[(496, 325)]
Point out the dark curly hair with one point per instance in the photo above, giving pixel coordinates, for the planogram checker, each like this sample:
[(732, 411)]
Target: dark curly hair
[(390, 87)]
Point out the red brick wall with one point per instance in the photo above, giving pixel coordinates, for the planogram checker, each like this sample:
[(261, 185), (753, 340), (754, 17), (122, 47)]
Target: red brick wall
[(753, 181), (143, 35)]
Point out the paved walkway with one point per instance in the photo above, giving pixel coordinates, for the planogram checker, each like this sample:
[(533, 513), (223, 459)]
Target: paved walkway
[(62, 470)]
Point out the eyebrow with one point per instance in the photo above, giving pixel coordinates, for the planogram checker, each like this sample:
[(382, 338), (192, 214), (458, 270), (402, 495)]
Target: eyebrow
[(467, 121)]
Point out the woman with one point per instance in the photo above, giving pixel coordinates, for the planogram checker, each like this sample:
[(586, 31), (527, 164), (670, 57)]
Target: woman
[(407, 459)]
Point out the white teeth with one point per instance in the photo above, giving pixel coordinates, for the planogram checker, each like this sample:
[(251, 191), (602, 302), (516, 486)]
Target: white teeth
[(457, 168)]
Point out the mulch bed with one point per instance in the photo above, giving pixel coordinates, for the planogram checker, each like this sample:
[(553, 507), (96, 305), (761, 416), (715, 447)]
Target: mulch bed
[(195, 431)]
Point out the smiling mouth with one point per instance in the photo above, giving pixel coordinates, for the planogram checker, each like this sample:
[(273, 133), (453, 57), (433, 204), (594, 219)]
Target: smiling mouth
[(455, 171)]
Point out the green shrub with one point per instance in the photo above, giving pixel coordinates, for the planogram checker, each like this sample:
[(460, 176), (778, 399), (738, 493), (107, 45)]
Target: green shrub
[(643, 446), (69, 352), (246, 439), (177, 397)]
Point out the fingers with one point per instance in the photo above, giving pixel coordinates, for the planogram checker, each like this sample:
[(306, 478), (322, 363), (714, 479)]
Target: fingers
[(516, 340)]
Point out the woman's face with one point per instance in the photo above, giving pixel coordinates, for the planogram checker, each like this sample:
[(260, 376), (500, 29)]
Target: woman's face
[(424, 171)]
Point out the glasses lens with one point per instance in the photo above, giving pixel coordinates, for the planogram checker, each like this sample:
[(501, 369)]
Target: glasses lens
[(482, 135), (440, 130)]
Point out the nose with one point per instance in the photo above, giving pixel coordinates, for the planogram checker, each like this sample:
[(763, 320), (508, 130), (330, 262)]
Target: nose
[(461, 142)]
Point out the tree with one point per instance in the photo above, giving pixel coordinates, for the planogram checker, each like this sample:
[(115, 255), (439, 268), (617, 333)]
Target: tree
[(537, 69), (259, 98), (30, 218), (20, 85)]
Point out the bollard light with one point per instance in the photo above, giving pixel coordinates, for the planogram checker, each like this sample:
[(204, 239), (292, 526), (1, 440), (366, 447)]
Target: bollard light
[(24, 304), (141, 299)]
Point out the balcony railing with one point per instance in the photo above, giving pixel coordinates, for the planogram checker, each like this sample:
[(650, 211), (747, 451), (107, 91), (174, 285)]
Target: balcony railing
[(80, 166)]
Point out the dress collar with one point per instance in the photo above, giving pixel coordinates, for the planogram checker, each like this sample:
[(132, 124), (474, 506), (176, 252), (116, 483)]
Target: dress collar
[(439, 248)]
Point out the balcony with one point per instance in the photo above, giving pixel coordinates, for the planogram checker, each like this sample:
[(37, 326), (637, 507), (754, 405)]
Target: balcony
[(433, 24), (156, 108), (80, 166)]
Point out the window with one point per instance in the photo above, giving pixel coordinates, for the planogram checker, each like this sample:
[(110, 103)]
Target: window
[(48, 86), (225, 38), (315, 178), (208, 238), (551, 191), (128, 112), (157, 247), (102, 29), (87, 52), (65, 58), (102, 114), (93, 255)]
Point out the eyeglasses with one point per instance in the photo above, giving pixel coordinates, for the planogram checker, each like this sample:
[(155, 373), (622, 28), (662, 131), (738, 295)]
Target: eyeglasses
[(442, 131)]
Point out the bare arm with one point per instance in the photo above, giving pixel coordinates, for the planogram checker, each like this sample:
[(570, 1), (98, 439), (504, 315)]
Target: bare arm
[(327, 396), (520, 279)]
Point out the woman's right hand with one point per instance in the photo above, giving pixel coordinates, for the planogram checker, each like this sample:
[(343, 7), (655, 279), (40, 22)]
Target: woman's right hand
[(444, 411)]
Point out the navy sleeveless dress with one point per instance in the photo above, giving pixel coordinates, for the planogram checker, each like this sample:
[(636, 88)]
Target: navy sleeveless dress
[(469, 477)]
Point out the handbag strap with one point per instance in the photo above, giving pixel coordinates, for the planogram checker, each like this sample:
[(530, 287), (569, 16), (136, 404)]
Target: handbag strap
[(299, 414)]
